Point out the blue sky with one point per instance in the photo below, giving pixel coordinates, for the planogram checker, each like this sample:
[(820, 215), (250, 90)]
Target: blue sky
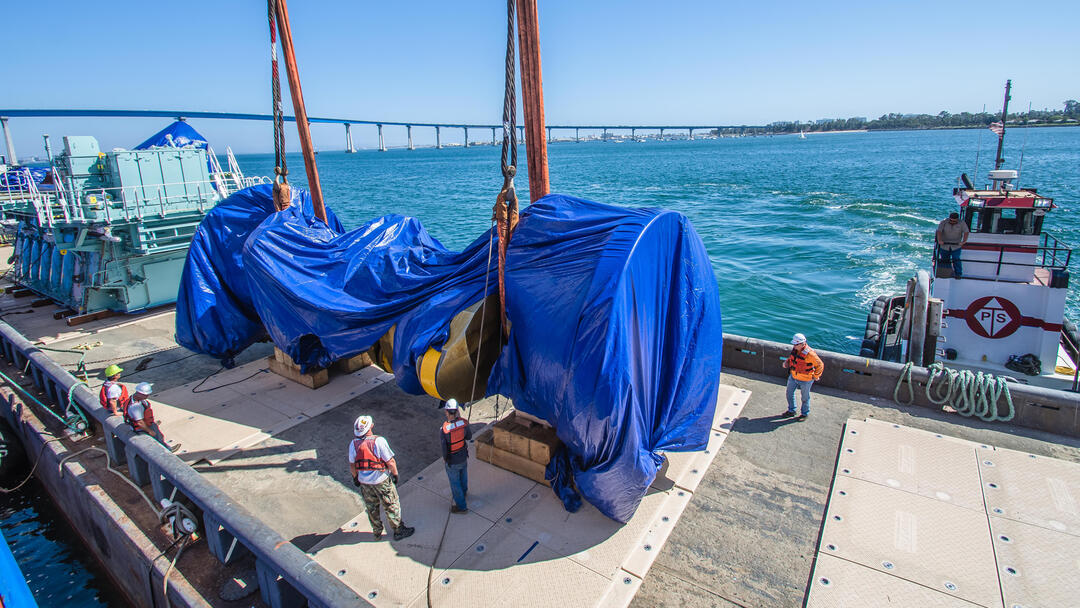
[(629, 62)]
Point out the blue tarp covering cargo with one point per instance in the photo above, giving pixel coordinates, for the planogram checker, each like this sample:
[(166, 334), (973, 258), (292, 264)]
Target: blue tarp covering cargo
[(21, 178), (176, 135), (615, 339)]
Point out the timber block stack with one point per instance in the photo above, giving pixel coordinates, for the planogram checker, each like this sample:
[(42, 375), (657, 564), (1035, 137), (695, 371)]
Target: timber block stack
[(520, 445), (282, 365)]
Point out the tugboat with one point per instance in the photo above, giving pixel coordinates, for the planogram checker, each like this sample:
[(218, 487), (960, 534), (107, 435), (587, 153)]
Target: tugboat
[(1005, 316)]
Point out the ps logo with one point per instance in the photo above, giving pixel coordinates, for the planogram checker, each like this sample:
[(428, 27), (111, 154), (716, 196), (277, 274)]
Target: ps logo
[(993, 317)]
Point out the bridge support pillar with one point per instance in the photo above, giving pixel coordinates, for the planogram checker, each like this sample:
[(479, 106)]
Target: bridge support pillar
[(408, 128), (691, 134), (577, 135), (349, 148), (633, 133), (521, 133), (11, 158), (549, 134), (493, 136), (661, 134), (604, 136), (438, 139), (466, 137), (382, 144)]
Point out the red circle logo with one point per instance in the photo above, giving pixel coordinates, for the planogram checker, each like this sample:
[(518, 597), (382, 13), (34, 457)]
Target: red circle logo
[(993, 317)]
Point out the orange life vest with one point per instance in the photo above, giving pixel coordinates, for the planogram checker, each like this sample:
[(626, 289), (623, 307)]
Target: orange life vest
[(122, 402), (148, 414), (366, 459), (455, 430), (803, 364)]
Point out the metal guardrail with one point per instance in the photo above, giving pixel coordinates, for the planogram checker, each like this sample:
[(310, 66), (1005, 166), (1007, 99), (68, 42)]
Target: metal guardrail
[(1058, 252), (287, 575)]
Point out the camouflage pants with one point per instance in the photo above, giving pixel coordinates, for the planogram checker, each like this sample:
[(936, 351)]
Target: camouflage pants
[(383, 493)]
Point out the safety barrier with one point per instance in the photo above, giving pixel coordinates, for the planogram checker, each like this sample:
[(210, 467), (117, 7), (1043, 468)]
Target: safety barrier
[(287, 576), (1036, 407)]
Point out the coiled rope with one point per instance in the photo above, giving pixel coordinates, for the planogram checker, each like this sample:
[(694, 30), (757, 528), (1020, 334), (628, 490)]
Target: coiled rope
[(969, 393)]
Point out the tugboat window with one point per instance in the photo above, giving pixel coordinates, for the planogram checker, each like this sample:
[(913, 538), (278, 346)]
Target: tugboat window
[(1003, 221)]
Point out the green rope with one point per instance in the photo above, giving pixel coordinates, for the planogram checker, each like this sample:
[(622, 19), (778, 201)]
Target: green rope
[(73, 417), (905, 374), (969, 393), (80, 365)]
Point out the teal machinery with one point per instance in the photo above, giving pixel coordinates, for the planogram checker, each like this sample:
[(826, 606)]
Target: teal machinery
[(113, 231)]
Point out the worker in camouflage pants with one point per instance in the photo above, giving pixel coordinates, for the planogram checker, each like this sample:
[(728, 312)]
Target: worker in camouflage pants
[(374, 471)]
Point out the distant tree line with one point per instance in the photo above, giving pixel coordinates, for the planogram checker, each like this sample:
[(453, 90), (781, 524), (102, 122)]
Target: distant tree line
[(943, 120)]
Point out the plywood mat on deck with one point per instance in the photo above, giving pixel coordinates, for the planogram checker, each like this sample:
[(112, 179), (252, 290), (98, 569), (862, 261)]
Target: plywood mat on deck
[(917, 518), (237, 408), (517, 545)]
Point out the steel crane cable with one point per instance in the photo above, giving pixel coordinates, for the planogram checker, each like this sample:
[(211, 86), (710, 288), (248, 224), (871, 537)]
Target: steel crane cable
[(282, 194), (506, 204)]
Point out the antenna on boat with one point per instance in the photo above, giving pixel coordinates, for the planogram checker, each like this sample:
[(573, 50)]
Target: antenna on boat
[(1000, 160), (1023, 147), (978, 151)]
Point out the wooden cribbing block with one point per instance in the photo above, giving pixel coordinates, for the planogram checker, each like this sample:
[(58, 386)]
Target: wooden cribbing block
[(282, 365), (542, 443), (350, 365), (487, 452), (512, 437)]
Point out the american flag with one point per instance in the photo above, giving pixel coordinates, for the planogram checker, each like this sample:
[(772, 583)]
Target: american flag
[(997, 127)]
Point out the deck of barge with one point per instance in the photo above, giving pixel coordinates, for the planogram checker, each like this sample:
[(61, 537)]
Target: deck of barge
[(748, 537)]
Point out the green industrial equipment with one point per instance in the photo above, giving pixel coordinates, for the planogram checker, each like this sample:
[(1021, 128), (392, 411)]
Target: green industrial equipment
[(111, 231)]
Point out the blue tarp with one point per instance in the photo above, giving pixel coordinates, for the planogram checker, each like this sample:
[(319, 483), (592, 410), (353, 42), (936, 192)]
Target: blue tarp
[(176, 135), (615, 340), (18, 179)]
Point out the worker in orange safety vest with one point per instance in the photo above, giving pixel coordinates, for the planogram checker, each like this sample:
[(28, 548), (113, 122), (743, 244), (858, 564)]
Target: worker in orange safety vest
[(454, 433), (805, 368), (374, 470)]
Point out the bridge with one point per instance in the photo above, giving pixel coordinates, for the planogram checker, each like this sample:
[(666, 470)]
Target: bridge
[(5, 114)]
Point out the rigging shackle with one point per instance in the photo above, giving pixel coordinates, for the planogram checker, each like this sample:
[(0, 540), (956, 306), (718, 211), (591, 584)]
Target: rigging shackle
[(282, 189)]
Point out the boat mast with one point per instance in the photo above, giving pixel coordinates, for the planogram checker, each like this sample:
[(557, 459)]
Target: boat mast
[(300, 111), (1001, 136), (532, 98)]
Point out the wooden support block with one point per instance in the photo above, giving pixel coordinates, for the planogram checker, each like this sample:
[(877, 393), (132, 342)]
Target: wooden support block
[(350, 365), (61, 314), (93, 316), (542, 444), (38, 303), (512, 437), (488, 452), (21, 293), (291, 371)]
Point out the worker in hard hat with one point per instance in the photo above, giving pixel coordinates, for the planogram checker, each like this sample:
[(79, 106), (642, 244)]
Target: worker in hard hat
[(375, 472), (114, 396), (805, 367), (140, 415), (453, 434)]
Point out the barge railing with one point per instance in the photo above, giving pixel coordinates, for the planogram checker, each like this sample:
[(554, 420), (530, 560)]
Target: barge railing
[(287, 576)]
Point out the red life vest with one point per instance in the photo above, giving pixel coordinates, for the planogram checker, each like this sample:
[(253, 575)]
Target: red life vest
[(148, 414), (366, 460), (455, 429), (801, 363), (122, 402)]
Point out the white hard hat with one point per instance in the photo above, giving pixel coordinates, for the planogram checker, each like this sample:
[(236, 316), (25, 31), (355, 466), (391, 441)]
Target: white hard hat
[(144, 388), (451, 404), (798, 339), (362, 425)]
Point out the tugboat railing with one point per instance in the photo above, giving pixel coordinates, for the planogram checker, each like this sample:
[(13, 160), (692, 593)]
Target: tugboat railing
[(1051, 254)]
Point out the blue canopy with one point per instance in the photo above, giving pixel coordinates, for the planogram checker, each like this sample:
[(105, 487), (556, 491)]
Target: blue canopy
[(176, 135), (616, 332)]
